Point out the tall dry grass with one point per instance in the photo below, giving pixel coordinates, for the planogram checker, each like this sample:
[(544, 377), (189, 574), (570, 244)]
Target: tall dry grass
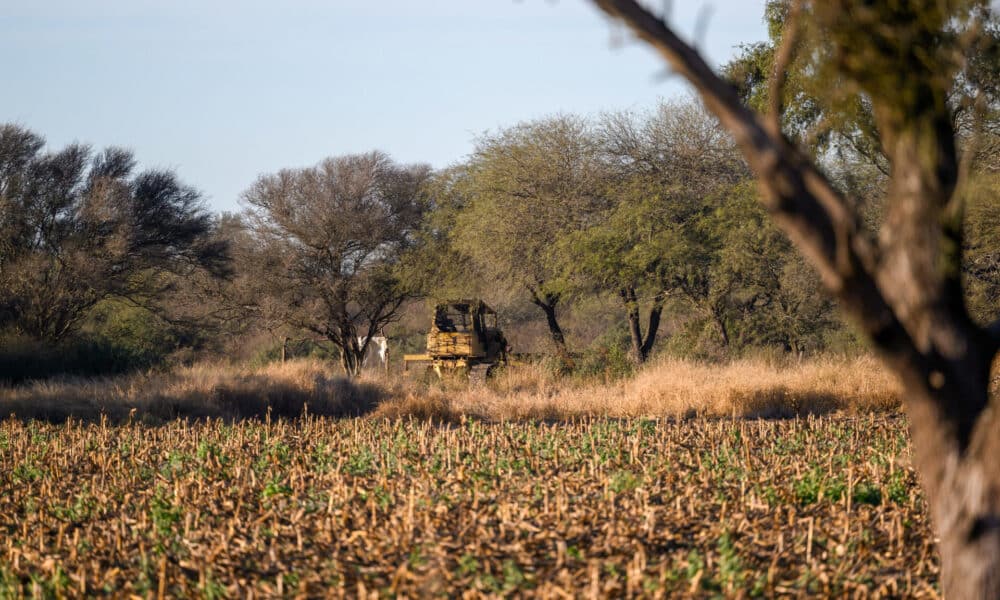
[(670, 387), (203, 390)]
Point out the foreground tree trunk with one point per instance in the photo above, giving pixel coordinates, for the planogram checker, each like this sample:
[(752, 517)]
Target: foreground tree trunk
[(904, 291)]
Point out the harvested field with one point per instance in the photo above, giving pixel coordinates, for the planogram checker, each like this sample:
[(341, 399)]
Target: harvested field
[(365, 506)]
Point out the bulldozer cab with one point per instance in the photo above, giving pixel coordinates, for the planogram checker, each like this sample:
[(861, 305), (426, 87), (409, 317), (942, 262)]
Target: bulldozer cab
[(465, 317)]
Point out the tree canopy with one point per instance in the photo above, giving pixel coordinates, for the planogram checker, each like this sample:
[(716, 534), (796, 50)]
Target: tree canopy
[(323, 246), (78, 227)]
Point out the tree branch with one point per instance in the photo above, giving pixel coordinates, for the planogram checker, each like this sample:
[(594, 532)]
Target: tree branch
[(782, 60)]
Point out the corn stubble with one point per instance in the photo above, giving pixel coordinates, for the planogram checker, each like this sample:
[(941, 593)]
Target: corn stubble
[(366, 506)]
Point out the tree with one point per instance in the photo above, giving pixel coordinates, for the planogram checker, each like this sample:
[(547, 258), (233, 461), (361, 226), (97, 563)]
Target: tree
[(78, 228), (327, 241), (252, 300), (904, 290), (664, 173), (526, 187), (434, 265), (684, 224), (819, 111), (632, 253)]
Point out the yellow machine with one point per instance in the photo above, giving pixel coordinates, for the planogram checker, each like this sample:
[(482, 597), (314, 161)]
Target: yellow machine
[(464, 337)]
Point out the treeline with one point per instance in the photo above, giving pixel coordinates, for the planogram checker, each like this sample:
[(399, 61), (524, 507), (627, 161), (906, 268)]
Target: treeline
[(642, 230), (655, 212), (98, 262)]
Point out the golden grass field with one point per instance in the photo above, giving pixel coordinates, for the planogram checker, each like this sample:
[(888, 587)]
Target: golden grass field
[(670, 387)]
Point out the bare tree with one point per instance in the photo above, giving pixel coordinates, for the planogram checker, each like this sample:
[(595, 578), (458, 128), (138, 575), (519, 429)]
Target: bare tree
[(904, 289), (326, 243)]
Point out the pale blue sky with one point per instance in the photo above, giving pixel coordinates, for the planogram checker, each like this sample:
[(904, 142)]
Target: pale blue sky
[(224, 90)]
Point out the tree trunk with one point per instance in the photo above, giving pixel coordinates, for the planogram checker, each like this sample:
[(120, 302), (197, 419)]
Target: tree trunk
[(634, 325), (653, 327), (284, 349), (720, 324), (958, 464), (351, 355), (641, 347), (548, 305)]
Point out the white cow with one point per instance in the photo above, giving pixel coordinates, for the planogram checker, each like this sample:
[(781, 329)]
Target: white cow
[(379, 344)]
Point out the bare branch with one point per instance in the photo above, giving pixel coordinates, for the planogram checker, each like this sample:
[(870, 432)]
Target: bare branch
[(782, 61)]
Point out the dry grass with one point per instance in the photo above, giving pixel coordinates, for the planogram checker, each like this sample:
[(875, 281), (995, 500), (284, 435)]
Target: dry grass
[(204, 390), (678, 388), (668, 388)]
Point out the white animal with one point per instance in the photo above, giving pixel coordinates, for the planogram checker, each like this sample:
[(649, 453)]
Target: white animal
[(379, 344)]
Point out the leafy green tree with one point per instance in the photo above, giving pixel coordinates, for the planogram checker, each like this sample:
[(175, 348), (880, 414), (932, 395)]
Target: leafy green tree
[(839, 126), (613, 256), (759, 292), (821, 109), (665, 173), (433, 264), (525, 187), (683, 225)]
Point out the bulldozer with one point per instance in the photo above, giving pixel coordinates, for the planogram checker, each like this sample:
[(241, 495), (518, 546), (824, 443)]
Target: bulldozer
[(464, 338)]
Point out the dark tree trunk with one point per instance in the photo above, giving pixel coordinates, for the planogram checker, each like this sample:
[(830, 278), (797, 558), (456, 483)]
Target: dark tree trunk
[(641, 346), (904, 291), (653, 327), (720, 324), (547, 303), (634, 324), (351, 353), (555, 330)]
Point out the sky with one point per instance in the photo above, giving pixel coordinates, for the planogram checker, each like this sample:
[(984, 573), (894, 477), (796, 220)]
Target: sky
[(222, 91)]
